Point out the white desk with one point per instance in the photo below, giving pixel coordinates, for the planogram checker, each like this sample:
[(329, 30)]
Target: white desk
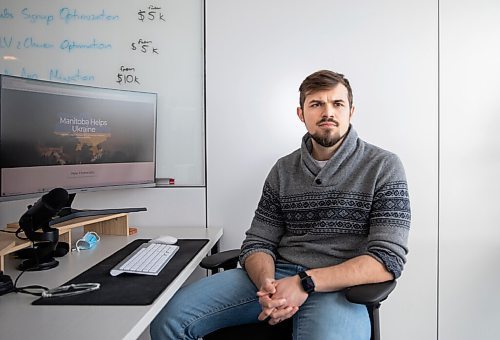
[(21, 320)]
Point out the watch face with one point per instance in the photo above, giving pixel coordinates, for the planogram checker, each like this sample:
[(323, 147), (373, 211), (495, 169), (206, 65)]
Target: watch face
[(307, 282)]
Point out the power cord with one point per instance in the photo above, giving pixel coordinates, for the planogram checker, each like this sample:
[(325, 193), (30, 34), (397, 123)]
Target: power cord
[(17, 232), (7, 231), (6, 286), (27, 289), (67, 290)]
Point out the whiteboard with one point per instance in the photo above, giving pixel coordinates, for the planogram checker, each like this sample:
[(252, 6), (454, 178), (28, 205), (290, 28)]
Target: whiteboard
[(153, 46)]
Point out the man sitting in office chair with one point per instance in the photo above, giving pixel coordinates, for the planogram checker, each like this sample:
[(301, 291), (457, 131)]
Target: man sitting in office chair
[(333, 214)]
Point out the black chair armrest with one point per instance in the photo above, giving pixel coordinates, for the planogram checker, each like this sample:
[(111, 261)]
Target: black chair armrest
[(367, 294), (225, 259), (370, 294)]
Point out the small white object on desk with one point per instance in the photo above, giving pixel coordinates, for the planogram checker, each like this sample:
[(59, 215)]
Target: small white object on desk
[(165, 239)]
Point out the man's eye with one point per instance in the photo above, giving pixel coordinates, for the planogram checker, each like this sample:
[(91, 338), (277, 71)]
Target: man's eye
[(315, 104), (339, 104)]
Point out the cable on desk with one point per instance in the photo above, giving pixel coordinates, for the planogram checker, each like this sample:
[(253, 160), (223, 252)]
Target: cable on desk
[(7, 231), (26, 289), (68, 290)]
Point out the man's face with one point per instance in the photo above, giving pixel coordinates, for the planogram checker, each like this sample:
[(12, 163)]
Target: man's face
[(327, 115)]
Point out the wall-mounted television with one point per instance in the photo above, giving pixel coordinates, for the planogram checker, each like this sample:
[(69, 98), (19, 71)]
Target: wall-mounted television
[(73, 136)]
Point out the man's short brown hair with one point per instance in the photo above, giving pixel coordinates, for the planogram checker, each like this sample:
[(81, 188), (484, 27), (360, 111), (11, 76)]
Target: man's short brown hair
[(323, 80)]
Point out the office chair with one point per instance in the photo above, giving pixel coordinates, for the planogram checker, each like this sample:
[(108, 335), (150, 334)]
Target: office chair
[(370, 295)]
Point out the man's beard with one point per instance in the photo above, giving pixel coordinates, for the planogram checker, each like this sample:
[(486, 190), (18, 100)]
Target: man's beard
[(326, 140)]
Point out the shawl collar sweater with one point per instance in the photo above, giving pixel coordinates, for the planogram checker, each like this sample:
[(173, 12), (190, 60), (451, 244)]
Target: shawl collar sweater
[(357, 204)]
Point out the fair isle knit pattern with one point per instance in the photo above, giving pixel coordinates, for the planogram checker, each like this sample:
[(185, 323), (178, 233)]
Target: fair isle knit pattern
[(356, 204)]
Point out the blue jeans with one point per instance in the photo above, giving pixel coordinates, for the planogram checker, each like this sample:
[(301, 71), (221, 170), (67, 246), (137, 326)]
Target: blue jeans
[(229, 299)]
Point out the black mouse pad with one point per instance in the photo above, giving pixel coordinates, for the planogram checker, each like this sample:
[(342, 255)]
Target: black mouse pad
[(127, 289)]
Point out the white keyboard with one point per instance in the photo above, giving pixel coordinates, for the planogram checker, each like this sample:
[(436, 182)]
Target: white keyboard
[(148, 259)]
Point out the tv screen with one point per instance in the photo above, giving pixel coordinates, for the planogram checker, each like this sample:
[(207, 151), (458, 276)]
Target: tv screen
[(74, 137)]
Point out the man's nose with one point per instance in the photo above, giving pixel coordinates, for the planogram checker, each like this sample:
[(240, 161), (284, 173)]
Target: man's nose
[(329, 110)]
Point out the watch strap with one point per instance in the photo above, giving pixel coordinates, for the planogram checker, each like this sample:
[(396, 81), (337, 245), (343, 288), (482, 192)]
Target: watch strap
[(303, 275)]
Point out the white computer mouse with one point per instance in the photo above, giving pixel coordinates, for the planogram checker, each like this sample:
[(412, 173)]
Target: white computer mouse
[(165, 239)]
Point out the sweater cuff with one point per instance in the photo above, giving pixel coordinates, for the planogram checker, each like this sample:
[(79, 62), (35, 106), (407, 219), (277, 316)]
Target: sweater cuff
[(391, 262)]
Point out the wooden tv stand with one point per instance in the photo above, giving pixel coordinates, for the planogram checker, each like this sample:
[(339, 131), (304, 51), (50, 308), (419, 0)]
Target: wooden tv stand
[(114, 224)]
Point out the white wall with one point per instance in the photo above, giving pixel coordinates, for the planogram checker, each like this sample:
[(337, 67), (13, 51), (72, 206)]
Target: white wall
[(469, 247), (257, 54)]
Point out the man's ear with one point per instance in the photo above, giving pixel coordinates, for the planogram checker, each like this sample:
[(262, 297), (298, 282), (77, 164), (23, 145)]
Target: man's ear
[(352, 112), (300, 114)]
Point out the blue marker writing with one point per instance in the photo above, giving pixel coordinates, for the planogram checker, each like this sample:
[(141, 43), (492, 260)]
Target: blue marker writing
[(6, 14), (31, 43), (69, 15), (70, 45), (34, 18), (26, 74), (5, 42), (77, 76)]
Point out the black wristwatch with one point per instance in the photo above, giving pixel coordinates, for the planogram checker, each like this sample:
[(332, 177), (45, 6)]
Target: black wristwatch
[(307, 282)]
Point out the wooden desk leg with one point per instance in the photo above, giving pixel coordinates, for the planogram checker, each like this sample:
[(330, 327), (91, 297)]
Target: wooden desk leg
[(5, 248), (65, 236)]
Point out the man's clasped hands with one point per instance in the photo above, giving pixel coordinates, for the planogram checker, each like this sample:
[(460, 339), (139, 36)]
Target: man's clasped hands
[(280, 299)]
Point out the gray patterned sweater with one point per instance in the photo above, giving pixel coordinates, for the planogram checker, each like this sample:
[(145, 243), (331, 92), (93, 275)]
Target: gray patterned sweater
[(356, 204)]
